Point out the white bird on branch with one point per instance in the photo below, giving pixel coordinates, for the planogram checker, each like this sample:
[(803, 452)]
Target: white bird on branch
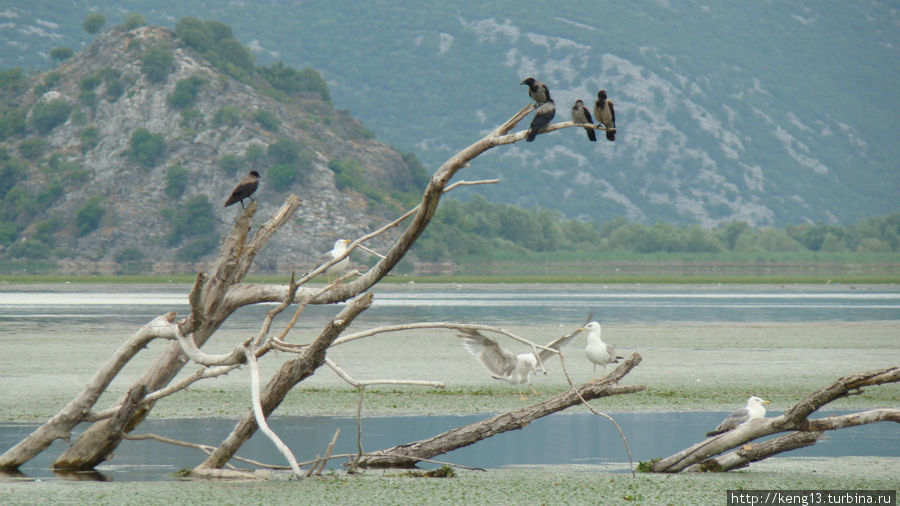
[(597, 351), (340, 247), (753, 409), (504, 364)]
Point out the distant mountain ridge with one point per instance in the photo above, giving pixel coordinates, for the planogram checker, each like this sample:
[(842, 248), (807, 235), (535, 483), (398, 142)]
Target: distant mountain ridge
[(771, 113), (128, 150)]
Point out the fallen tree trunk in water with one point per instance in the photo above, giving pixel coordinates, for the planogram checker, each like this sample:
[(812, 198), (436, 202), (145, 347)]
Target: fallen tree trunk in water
[(707, 455), (407, 455)]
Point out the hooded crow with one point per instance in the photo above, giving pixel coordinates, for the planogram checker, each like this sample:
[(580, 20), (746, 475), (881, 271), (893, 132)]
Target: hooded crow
[(605, 114), (580, 114), (542, 117), (244, 189), (537, 90)]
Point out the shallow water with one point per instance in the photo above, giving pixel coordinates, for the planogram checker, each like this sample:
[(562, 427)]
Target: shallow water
[(560, 439), (40, 319)]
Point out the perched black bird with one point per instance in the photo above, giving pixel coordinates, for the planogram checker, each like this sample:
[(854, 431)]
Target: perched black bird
[(542, 117), (244, 189), (605, 114), (580, 114), (537, 90)]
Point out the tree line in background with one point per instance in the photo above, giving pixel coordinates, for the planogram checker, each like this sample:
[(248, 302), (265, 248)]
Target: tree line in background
[(479, 228)]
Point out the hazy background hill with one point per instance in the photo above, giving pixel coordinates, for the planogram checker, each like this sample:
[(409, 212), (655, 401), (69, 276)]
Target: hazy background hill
[(772, 113)]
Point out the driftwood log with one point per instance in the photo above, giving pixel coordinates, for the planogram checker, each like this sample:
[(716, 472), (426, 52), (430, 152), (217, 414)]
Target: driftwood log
[(409, 454), (709, 455)]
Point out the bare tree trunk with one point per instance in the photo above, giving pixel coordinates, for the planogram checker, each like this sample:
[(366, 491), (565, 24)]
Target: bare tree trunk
[(291, 372), (702, 456), (61, 425), (235, 258), (407, 455)]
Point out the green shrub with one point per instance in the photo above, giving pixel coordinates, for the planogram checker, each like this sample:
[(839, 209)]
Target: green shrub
[(30, 248), (12, 170), (90, 136), (114, 89), (93, 23), (90, 82), (146, 148), (129, 254), (185, 93), (50, 193), (88, 99), (12, 122), (134, 20), (89, 214), (61, 53), (227, 115), (176, 181), (283, 151), (291, 80), (156, 62), (230, 163), (281, 176), (194, 218), (8, 232), (197, 247), (32, 148), (48, 115), (267, 120)]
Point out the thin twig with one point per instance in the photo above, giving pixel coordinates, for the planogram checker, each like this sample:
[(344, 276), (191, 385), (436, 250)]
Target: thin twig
[(261, 417), (562, 362)]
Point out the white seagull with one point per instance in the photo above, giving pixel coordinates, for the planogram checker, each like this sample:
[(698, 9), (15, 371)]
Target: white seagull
[(340, 247), (597, 351), (753, 409), (504, 364)]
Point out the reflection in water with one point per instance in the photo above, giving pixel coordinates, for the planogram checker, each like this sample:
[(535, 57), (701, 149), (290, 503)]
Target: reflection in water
[(554, 440)]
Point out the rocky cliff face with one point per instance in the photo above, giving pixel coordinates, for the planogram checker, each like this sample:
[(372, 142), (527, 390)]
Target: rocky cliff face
[(223, 130)]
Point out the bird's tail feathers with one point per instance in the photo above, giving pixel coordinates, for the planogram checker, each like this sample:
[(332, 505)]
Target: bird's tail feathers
[(592, 136), (611, 135)]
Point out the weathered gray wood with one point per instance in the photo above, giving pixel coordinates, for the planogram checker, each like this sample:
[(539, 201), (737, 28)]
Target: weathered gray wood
[(60, 426), (794, 419), (291, 372), (407, 455)]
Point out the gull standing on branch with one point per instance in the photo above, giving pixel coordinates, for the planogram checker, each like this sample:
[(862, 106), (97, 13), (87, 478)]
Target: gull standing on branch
[(244, 189), (753, 409), (504, 364), (597, 351), (340, 247)]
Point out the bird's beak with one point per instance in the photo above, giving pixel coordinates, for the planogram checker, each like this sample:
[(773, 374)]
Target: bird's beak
[(766, 402), (523, 82)]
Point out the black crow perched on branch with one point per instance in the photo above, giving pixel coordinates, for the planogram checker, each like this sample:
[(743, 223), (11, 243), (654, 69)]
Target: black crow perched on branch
[(244, 189)]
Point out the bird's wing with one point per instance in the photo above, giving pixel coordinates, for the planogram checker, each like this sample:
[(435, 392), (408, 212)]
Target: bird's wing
[(613, 358), (587, 115), (543, 116), (498, 361), (612, 113), (556, 344), (736, 418)]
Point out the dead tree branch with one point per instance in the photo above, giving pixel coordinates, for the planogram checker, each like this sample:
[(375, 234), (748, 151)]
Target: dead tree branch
[(291, 372), (702, 456), (406, 455), (60, 426)]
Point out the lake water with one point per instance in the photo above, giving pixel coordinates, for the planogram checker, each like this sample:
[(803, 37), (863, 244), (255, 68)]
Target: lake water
[(558, 439)]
